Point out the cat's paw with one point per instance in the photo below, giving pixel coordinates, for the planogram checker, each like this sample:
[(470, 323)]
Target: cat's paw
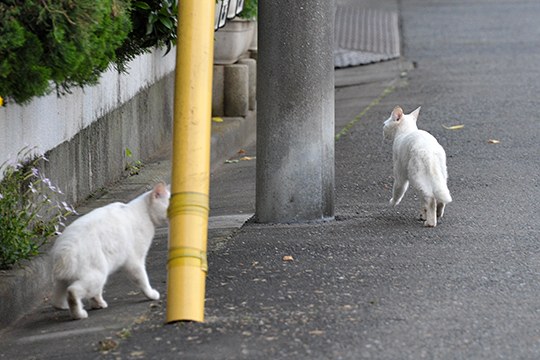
[(152, 294), (60, 304), (98, 303), (429, 224), (79, 314)]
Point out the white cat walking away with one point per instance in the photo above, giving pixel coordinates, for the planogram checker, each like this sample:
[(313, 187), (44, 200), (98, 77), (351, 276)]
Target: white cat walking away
[(418, 159), (116, 236)]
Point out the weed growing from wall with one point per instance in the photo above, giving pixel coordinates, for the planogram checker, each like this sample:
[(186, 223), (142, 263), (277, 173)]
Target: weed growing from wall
[(30, 212)]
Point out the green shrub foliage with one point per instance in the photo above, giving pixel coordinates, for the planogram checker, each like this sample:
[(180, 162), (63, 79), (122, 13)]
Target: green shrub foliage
[(154, 25), (47, 44), (30, 212), (249, 11)]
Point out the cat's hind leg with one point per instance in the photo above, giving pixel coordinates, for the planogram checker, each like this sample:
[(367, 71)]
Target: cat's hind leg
[(399, 189), (75, 293), (440, 209), (423, 211), (59, 299), (430, 204), (97, 302), (96, 285)]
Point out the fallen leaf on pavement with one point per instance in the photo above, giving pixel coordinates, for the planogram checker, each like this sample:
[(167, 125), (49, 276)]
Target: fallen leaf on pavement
[(141, 319), (124, 333), (107, 345), (493, 141), (453, 127), (217, 119), (246, 158), (288, 258), (316, 332), (241, 152), (231, 161)]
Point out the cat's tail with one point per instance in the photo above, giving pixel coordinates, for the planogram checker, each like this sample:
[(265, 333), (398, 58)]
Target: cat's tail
[(64, 262), (432, 183), (439, 182), (441, 193)]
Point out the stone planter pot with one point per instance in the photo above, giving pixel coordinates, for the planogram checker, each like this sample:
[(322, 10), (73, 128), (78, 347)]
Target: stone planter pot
[(232, 40), (253, 45)]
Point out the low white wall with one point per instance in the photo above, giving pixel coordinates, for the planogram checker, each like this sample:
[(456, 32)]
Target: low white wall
[(49, 121)]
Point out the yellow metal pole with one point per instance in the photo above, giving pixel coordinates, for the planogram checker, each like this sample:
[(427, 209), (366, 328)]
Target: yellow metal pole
[(188, 211)]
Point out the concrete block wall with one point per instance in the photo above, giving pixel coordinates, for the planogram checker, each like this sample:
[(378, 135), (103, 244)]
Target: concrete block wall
[(85, 134), (96, 156)]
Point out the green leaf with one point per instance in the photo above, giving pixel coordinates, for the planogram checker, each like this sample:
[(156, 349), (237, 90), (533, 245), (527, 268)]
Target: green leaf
[(141, 5), (167, 22)]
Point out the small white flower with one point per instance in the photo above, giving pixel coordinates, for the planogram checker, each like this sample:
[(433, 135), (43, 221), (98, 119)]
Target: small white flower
[(49, 184), (32, 188)]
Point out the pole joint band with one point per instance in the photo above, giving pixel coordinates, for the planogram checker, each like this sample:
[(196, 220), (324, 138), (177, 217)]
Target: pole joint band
[(186, 256), (188, 203)]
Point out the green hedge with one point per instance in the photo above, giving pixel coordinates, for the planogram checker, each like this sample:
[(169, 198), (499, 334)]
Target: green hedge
[(48, 45), (250, 10), (154, 25)]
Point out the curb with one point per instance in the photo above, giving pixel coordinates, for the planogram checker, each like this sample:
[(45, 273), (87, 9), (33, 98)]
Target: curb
[(372, 73), (22, 289)]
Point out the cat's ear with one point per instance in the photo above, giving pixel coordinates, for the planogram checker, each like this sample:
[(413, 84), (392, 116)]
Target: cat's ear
[(160, 191), (397, 113), (415, 113)]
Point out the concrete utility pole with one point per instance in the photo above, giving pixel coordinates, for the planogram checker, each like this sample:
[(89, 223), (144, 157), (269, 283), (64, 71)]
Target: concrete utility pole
[(295, 111)]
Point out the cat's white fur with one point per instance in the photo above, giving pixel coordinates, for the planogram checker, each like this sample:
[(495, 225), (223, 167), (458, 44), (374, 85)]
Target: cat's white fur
[(419, 159), (116, 236)]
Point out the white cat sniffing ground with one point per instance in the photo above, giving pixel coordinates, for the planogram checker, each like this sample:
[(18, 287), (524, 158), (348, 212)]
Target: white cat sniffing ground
[(420, 160), (116, 236)]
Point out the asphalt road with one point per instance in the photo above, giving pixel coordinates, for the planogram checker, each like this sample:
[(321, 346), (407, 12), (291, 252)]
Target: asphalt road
[(375, 283)]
